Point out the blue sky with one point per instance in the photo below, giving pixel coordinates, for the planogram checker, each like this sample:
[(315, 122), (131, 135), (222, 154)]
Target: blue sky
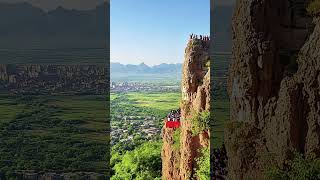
[(155, 31)]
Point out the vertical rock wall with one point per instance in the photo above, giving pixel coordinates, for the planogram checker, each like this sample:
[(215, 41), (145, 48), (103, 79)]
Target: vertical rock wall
[(273, 86), (180, 163)]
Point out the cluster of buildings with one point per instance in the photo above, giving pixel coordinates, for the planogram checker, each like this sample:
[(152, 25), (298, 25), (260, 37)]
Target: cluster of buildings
[(132, 126), (140, 86), (57, 79)]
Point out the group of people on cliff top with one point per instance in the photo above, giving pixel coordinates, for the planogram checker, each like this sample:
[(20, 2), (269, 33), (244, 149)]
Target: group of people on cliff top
[(204, 38), (174, 115)]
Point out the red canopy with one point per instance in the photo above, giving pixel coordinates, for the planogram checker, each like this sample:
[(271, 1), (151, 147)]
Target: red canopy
[(172, 124)]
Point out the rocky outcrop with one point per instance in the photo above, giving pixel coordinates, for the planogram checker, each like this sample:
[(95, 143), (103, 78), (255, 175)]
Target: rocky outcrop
[(169, 155), (179, 163), (53, 78), (273, 86)]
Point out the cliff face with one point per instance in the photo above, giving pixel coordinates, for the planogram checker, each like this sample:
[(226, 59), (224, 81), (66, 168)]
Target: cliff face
[(273, 86), (178, 156)]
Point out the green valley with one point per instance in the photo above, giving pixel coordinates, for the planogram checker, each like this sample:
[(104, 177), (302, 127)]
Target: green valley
[(53, 134), (136, 122)]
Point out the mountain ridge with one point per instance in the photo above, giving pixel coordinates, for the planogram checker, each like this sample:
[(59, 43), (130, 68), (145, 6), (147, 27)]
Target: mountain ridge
[(32, 27), (117, 67)]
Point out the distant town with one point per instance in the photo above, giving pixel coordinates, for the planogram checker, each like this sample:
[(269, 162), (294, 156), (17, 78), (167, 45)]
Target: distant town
[(53, 79), (145, 87), (129, 126)]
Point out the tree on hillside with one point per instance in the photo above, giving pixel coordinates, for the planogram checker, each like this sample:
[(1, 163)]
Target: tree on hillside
[(143, 162)]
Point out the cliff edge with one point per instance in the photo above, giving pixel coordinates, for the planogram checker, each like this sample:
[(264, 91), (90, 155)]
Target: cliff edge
[(182, 146)]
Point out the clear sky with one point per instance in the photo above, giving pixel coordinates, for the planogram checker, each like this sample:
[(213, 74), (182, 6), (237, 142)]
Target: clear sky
[(155, 31)]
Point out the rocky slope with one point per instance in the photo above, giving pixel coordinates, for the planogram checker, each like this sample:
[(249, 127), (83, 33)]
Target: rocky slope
[(273, 86), (181, 146)]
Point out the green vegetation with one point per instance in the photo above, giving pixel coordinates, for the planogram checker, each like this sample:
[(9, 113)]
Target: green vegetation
[(56, 133), (200, 122), (220, 117), (159, 79), (176, 139), (220, 101), (139, 159), (299, 168), (143, 104), (161, 101), (314, 7), (144, 162), (203, 162)]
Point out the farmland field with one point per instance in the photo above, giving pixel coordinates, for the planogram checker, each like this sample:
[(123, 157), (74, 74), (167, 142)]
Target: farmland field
[(161, 101), (133, 102), (221, 116), (53, 133)]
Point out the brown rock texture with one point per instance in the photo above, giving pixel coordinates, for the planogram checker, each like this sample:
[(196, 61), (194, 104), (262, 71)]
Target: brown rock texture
[(180, 163), (273, 86), (170, 157)]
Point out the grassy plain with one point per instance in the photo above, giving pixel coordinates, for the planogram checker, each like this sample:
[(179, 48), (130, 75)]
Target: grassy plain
[(161, 101), (157, 104)]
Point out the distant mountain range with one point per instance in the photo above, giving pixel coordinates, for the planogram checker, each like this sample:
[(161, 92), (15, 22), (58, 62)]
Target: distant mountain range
[(118, 68), (25, 26)]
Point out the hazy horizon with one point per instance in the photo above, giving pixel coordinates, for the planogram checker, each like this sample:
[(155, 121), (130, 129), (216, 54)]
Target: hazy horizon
[(115, 62)]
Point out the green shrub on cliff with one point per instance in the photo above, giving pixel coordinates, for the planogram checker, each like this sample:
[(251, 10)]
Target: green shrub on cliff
[(200, 122), (314, 7), (299, 168), (176, 139), (203, 163)]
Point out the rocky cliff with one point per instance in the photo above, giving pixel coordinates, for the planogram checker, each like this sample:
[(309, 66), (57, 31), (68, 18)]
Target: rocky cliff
[(182, 146), (273, 86)]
